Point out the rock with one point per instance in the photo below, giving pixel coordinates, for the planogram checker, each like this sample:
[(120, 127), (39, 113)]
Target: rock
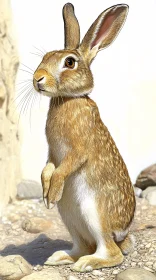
[(135, 274), (14, 267), (29, 189), (9, 129), (151, 197), (97, 273), (147, 177), (138, 191), (36, 225), (51, 274), (148, 190)]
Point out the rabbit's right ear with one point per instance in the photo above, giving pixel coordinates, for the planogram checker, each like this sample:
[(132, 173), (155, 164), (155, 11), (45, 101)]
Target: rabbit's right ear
[(103, 31), (71, 27)]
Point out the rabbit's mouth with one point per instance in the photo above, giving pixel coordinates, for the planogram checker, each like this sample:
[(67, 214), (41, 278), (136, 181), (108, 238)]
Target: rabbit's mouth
[(40, 88)]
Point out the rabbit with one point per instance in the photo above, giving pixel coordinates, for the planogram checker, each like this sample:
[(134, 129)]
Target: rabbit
[(85, 174)]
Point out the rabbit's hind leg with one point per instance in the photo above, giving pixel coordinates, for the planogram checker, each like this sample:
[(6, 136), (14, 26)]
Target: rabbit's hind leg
[(107, 254)]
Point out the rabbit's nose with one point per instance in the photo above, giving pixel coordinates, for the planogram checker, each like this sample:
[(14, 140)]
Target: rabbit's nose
[(40, 83), (39, 80)]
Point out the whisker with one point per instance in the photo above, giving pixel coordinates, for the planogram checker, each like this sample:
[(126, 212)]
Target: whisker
[(44, 50), (28, 67), (39, 50), (27, 102), (26, 71), (36, 54), (25, 98), (39, 96), (31, 106), (25, 81), (23, 87), (23, 90)]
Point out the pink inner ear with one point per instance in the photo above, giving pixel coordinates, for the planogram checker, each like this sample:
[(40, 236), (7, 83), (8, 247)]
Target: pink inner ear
[(104, 28)]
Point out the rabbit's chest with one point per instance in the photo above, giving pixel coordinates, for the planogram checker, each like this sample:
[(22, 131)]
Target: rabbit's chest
[(58, 150), (57, 140)]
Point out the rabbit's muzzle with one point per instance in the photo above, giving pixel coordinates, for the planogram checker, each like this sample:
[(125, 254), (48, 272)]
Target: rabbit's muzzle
[(43, 82), (39, 79)]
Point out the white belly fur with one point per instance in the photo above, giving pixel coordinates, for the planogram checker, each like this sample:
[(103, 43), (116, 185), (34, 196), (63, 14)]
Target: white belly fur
[(78, 209)]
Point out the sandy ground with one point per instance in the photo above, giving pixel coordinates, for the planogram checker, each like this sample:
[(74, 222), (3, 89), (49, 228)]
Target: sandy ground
[(37, 247)]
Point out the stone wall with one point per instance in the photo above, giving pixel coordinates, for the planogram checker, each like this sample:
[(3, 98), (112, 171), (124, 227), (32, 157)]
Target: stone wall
[(9, 137)]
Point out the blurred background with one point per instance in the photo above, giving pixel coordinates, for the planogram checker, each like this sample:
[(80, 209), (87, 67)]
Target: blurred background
[(124, 77)]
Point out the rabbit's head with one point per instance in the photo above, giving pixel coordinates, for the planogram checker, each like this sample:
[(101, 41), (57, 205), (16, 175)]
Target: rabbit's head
[(67, 72)]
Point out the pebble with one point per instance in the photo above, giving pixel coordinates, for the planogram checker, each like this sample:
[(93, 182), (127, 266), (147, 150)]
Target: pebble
[(137, 191), (149, 269), (97, 273), (116, 271), (72, 278), (35, 268), (134, 254), (148, 245), (36, 225), (150, 250), (148, 263), (13, 217)]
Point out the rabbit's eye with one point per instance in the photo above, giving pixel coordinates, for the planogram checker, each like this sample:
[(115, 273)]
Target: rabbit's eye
[(70, 62)]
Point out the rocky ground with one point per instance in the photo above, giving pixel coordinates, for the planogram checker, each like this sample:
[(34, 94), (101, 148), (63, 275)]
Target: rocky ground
[(28, 229)]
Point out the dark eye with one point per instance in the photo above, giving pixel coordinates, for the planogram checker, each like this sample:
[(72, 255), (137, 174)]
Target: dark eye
[(70, 62)]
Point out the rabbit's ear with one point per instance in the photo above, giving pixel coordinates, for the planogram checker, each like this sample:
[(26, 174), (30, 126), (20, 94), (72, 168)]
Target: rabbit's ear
[(103, 31), (71, 27)]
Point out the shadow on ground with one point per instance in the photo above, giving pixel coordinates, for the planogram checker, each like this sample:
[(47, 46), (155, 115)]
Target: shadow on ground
[(37, 251)]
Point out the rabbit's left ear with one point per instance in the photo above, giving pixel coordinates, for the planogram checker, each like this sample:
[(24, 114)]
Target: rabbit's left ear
[(103, 31), (71, 27)]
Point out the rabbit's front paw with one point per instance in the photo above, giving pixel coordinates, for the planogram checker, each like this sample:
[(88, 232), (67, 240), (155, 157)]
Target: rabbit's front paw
[(46, 179), (55, 190)]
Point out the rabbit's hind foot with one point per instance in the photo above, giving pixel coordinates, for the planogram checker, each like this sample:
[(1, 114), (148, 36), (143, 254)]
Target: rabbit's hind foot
[(60, 257), (127, 245), (91, 262), (105, 256)]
